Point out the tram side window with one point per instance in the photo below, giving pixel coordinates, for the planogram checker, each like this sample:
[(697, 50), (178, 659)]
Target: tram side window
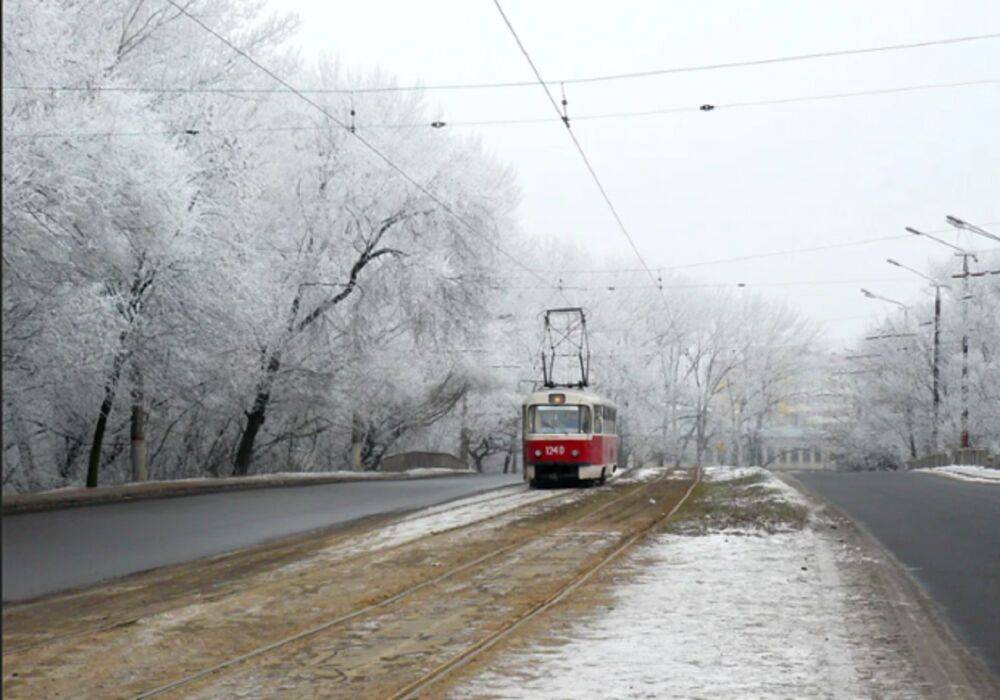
[(555, 420), (599, 419), (610, 420)]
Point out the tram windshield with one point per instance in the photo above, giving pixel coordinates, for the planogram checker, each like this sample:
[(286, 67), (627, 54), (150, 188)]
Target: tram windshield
[(549, 420)]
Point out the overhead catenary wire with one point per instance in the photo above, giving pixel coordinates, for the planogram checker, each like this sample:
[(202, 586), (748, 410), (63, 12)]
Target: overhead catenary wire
[(365, 142), (525, 121), (720, 261), (579, 148), (526, 83), (724, 285), (753, 256)]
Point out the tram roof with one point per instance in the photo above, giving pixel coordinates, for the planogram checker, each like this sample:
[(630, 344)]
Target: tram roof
[(572, 397)]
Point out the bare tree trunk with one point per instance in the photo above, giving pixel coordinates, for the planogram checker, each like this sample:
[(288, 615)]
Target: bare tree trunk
[(463, 436), (663, 443), (357, 438), (110, 389), (255, 418), (701, 441), (508, 460), (911, 440), (140, 470)]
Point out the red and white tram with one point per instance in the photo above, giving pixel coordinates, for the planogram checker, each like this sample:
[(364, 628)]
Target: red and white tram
[(569, 434)]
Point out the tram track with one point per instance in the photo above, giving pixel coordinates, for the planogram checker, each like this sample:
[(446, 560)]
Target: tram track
[(402, 595), (314, 652), (53, 666), (414, 689), (10, 649)]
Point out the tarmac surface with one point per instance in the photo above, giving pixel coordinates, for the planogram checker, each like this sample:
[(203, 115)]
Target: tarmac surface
[(945, 531), (55, 550)]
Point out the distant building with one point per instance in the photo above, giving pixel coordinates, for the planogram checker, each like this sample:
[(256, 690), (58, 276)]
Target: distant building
[(796, 438)]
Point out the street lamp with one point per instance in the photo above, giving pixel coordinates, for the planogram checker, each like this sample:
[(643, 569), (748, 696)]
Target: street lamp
[(904, 307), (966, 226), (961, 251), (935, 372), (906, 316)]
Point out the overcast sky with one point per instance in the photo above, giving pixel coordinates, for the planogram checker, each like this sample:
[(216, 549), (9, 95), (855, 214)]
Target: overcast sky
[(697, 186)]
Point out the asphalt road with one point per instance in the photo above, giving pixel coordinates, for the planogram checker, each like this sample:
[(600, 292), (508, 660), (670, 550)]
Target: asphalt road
[(54, 550), (947, 532)]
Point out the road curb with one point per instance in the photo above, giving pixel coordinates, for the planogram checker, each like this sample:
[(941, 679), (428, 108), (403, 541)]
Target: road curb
[(109, 495), (952, 667)]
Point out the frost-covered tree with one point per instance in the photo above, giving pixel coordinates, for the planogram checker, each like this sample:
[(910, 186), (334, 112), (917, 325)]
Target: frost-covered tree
[(890, 386)]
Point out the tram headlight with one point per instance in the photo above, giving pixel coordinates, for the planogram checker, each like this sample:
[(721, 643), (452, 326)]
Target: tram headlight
[(575, 453), (538, 453)]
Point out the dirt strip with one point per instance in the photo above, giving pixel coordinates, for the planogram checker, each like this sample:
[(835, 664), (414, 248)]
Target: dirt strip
[(129, 599), (202, 614), (379, 654)]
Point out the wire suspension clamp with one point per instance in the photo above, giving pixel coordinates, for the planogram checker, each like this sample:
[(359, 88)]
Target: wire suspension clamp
[(565, 110), (352, 113)]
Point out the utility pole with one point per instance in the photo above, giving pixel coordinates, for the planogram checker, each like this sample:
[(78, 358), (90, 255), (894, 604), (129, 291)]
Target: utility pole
[(936, 371), (965, 255), (965, 277), (963, 225), (965, 351), (935, 366)]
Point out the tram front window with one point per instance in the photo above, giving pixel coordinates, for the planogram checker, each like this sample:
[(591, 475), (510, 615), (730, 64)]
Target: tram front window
[(551, 420)]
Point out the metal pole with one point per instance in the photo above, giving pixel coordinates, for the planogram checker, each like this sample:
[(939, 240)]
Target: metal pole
[(965, 351), (936, 370)]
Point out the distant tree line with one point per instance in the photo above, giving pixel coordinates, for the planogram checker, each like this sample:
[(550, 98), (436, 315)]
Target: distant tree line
[(201, 282)]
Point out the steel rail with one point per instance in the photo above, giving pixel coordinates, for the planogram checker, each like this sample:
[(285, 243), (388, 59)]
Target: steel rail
[(166, 607), (395, 598), (469, 653)]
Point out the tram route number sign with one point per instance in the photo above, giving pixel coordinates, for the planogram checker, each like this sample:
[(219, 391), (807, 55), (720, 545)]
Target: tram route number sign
[(551, 450)]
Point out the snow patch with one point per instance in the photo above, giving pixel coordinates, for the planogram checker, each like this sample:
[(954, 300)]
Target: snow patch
[(640, 475), (714, 615), (726, 473), (710, 616), (966, 472)]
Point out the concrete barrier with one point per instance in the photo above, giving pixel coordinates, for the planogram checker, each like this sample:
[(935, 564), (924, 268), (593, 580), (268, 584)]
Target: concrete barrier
[(969, 457), (76, 497)]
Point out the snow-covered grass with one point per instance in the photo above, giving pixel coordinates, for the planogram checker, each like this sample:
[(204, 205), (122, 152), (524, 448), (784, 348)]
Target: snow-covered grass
[(727, 610), (726, 473), (965, 472)]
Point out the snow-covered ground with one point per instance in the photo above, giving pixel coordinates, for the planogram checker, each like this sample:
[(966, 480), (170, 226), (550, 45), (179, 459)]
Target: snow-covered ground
[(638, 475), (965, 472), (497, 507), (727, 614)]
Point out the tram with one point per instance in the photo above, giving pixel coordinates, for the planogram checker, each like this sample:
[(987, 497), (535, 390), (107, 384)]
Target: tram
[(570, 435)]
